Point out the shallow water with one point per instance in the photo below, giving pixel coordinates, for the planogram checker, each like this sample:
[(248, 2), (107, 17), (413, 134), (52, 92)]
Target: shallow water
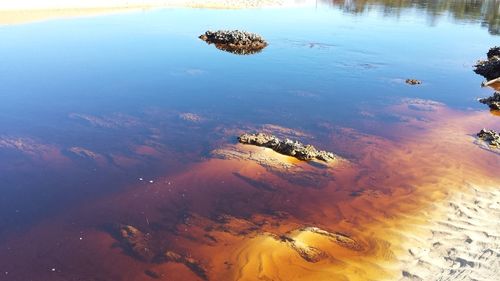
[(115, 119)]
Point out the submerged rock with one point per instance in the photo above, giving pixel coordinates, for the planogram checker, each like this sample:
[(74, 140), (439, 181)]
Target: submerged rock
[(338, 238), (135, 241), (190, 117), (413, 82), (493, 102), (490, 68), (153, 274), (491, 137), (308, 253), (195, 266), (287, 147), (235, 41)]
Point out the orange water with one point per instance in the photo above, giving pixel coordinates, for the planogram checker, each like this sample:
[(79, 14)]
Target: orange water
[(371, 198)]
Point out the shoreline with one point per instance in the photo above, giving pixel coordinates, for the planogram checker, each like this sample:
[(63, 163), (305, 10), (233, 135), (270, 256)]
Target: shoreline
[(27, 12), (30, 5)]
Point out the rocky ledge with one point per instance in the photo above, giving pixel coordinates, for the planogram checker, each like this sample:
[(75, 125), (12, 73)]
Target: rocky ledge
[(490, 68), (493, 102), (491, 137), (235, 41), (287, 147)]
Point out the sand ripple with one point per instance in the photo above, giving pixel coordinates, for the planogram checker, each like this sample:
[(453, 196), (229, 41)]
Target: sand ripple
[(462, 245)]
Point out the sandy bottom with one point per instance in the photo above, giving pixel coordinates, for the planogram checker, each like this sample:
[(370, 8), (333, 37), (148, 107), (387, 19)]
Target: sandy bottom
[(407, 206), (459, 240)]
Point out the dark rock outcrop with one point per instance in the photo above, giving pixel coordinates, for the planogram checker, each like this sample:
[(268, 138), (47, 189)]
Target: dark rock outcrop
[(287, 147), (413, 82), (493, 102), (490, 68), (493, 52), (492, 138), (235, 41)]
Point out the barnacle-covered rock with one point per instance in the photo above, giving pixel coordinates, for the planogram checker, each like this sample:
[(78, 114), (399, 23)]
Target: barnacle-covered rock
[(491, 137), (235, 41), (493, 102), (490, 68), (287, 147)]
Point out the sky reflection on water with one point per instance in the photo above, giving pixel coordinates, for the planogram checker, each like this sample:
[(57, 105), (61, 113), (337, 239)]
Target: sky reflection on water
[(120, 86), (321, 65)]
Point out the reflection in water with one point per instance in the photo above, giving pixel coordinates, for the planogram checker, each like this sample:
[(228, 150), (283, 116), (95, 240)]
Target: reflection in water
[(237, 50), (485, 11)]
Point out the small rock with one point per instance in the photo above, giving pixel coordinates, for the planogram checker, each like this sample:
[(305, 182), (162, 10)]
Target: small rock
[(413, 82), (235, 41), (493, 102), (492, 138), (287, 147)]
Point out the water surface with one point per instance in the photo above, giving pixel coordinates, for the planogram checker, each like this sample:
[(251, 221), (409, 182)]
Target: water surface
[(114, 119)]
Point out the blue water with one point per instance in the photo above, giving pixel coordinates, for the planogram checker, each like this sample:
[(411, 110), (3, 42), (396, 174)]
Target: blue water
[(322, 64)]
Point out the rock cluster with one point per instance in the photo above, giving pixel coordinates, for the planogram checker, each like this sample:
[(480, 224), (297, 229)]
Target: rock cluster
[(235, 41), (413, 82), (491, 137), (493, 102), (287, 147), (490, 68)]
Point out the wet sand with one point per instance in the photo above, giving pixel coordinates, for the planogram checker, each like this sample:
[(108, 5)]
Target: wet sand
[(377, 215)]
